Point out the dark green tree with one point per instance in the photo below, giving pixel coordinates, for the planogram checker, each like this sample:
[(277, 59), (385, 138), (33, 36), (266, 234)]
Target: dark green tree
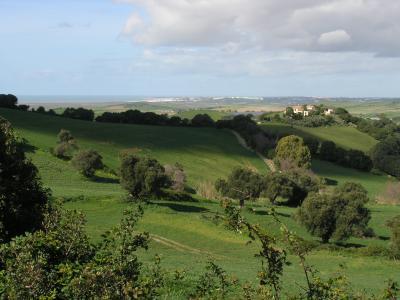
[(8, 101), (87, 162), (23, 199), (328, 151), (278, 185), (338, 215), (293, 149), (386, 155), (142, 177), (202, 120), (242, 184)]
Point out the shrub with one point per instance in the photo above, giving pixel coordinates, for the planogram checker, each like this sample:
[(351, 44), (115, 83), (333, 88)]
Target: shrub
[(23, 199), (338, 215), (142, 177), (87, 162), (391, 195), (394, 225), (66, 145), (292, 148), (177, 176)]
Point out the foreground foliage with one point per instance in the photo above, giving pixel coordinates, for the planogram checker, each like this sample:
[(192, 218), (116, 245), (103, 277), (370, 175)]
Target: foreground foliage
[(22, 197), (59, 262)]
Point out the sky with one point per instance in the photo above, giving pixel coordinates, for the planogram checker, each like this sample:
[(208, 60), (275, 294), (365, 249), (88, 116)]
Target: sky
[(331, 48)]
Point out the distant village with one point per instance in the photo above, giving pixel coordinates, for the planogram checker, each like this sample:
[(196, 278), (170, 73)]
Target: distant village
[(307, 110)]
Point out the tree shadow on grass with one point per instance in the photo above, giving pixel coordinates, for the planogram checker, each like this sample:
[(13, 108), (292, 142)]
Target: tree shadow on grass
[(104, 179), (383, 238), (265, 213), (27, 147), (349, 245), (331, 182), (183, 208)]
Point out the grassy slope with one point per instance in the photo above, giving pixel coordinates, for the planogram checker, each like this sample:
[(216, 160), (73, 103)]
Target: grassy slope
[(191, 224), (346, 137), (206, 154)]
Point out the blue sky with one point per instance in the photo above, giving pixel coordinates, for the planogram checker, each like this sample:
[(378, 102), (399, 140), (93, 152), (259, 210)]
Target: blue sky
[(200, 48)]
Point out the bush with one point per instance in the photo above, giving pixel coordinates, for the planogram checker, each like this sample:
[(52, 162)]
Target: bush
[(293, 149), (23, 199), (87, 162), (177, 176), (66, 145), (142, 177), (391, 195), (394, 225), (338, 215)]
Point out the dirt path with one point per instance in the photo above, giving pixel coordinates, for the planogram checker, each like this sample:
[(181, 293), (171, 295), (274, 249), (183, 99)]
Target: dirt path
[(270, 163), (181, 247)]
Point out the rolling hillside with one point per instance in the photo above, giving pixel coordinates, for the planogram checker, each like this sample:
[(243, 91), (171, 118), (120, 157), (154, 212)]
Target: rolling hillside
[(346, 137), (185, 233), (206, 154)]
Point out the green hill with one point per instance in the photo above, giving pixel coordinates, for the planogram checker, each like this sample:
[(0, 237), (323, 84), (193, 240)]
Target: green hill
[(344, 136), (205, 153)]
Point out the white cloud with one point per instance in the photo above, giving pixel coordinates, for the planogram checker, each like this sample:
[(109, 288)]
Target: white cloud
[(332, 39), (302, 25)]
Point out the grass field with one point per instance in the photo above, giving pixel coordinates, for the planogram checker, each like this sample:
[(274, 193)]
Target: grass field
[(343, 136), (198, 239), (206, 154), (185, 233)]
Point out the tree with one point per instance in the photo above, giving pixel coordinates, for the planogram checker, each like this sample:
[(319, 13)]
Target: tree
[(142, 177), (278, 185), (386, 155), (289, 112), (312, 144), (66, 145), (87, 162), (8, 101), (203, 120), (78, 113), (242, 184), (338, 215), (293, 149), (394, 225), (23, 199), (328, 151)]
